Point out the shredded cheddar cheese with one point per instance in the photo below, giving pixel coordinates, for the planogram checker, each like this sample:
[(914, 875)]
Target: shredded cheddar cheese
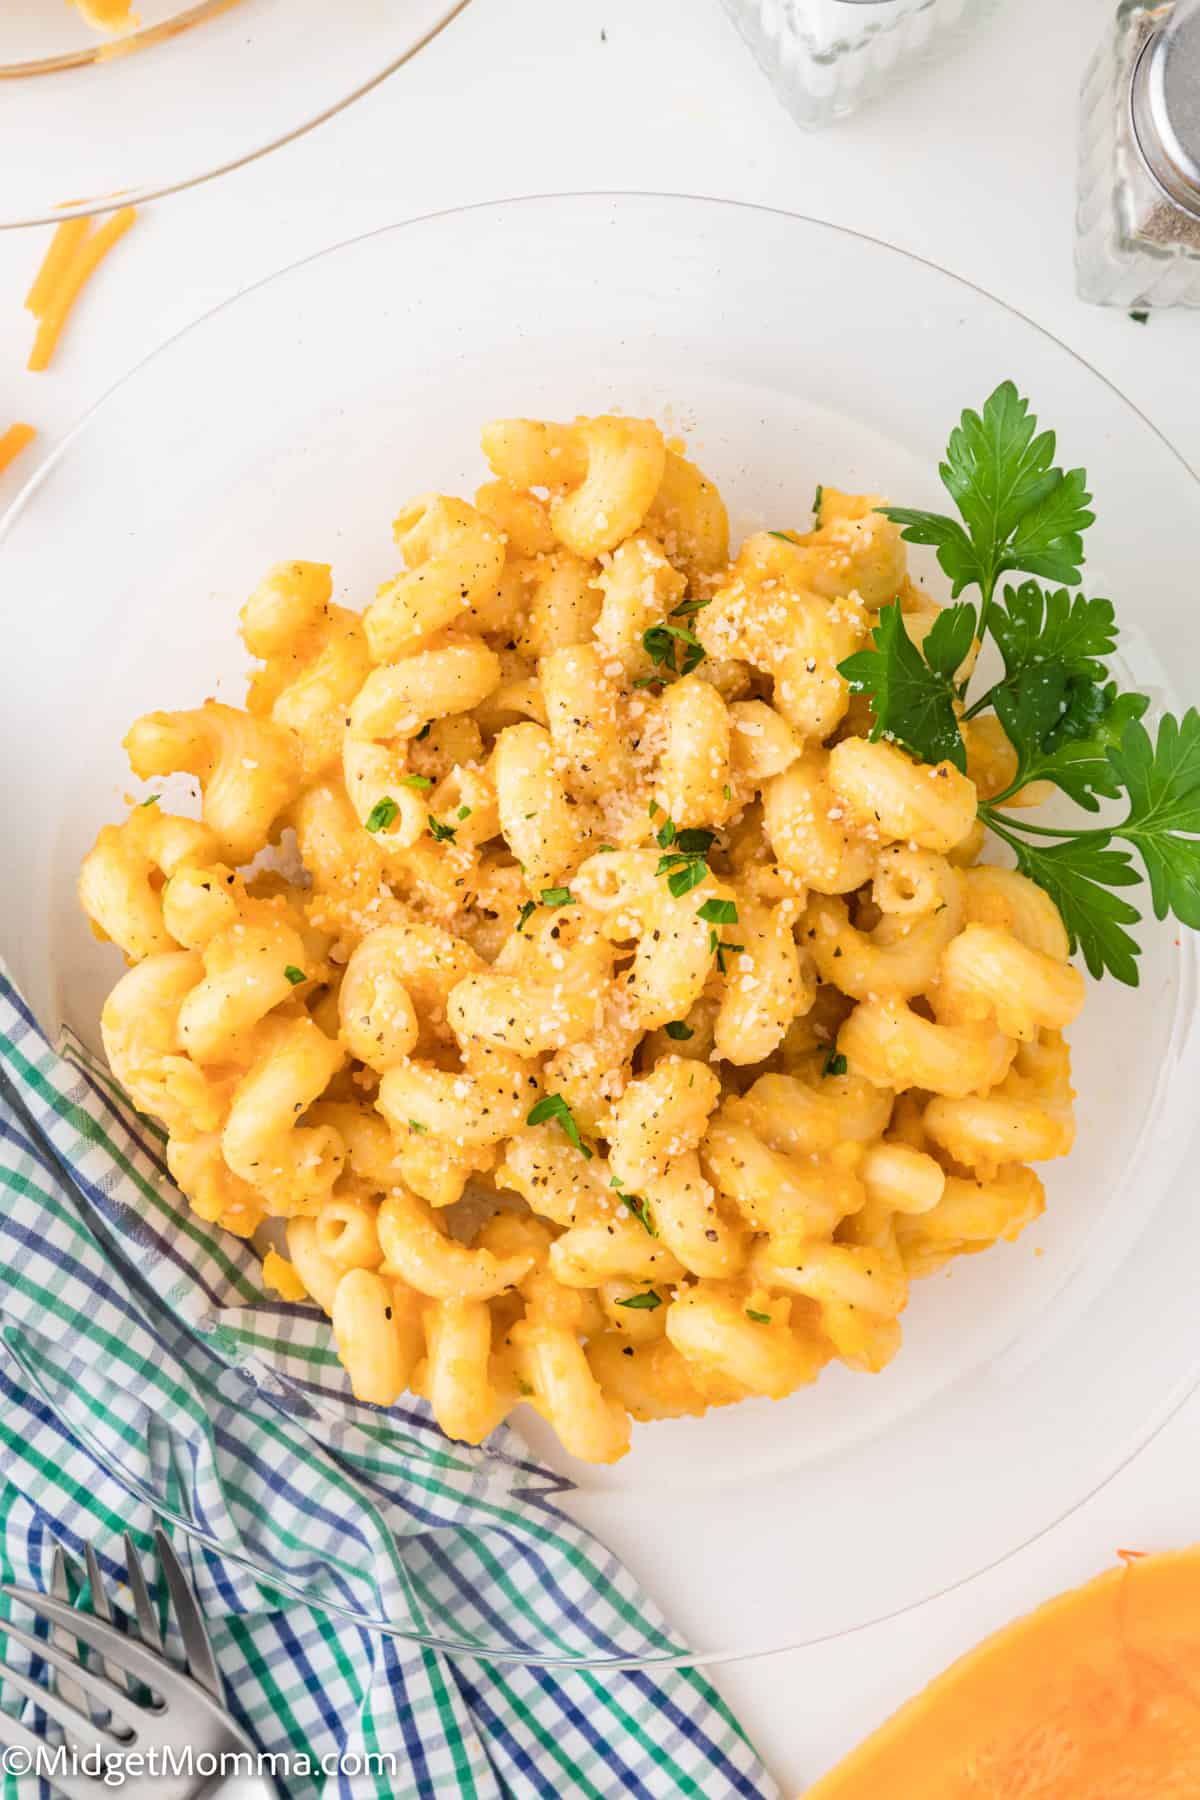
[(13, 441), (282, 1277), (73, 257), (64, 246), (107, 15)]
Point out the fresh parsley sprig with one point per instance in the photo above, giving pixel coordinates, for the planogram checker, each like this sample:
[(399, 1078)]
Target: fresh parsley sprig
[(1018, 511), (1066, 719)]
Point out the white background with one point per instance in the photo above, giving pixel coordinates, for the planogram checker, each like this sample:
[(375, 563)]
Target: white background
[(973, 166)]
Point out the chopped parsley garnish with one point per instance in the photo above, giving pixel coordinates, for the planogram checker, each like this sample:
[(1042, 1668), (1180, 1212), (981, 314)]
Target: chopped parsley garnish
[(684, 863), (526, 913), (758, 1317), (384, 813), (424, 732), (665, 835), (835, 1063), (1140, 317), (720, 948), (464, 812), (441, 834), (660, 642), (727, 791), (416, 1125), (553, 1109), (718, 912), (818, 500), (523, 1387), (679, 1031), (647, 1302), (295, 975), (785, 537), (416, 781), (150, 800), (559, 896), (683, 873), (1066, 720), (638, 1207), (687, 609)]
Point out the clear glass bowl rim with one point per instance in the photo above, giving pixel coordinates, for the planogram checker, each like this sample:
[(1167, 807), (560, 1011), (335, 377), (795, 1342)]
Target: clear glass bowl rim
[(139, 193), (1188, 1384)]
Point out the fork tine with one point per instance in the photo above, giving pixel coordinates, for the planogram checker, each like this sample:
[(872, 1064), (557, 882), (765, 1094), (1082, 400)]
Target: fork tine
[(100, 1604), (143, 1606), (202, 1664), (124, 1653), (15, 1736), (60, 1589), (79, 1727)]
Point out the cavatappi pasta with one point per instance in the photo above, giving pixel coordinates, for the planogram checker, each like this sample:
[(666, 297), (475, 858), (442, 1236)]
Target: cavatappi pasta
[(611, 919)]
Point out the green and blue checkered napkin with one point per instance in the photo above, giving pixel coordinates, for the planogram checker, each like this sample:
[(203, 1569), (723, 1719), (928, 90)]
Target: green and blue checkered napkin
[(149, 1332)]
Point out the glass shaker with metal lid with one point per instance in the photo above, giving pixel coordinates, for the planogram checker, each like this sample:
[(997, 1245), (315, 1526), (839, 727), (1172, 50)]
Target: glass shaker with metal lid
[(1137, 238), (824, 58)]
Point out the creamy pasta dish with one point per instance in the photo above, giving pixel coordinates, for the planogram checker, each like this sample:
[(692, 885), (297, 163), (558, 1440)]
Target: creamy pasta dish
[(615, 1027)]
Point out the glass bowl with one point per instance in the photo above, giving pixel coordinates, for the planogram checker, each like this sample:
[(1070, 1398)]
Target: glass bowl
[(789, 352), (90, 121)]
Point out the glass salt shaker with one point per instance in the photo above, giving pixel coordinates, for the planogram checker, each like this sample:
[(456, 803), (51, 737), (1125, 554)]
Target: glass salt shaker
[(824, 58), (1137, 222)]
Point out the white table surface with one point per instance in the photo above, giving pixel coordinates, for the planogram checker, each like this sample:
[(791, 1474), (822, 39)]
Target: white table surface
[(972, 167)]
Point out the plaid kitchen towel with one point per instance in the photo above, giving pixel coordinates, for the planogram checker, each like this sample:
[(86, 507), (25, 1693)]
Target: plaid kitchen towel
[(144, 1373)]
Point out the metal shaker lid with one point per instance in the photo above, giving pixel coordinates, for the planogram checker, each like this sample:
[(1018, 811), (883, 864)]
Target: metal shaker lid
[(1164, 102)]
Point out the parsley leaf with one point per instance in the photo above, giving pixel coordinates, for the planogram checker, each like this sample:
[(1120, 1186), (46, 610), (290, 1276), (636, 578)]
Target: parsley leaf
[(150, 800), (382, 814), (647, 1302), (526, 913), (690, 873), (1033, 627), (1019, 511), (760, 1318), (718, 912), (1162, 780), (416, 781), (679, 1031), (638, 1207), (441, 834), (558, 896), (720, 948), (295, 975), (1079, 874), (912, 702), (948, 640), (659, 644), (1061, 728), (835, 1063), (684, 864), (416, 1125), (553, 1108)]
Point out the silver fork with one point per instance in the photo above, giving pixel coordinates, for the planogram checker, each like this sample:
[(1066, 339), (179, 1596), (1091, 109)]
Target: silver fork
[(101, 1706)]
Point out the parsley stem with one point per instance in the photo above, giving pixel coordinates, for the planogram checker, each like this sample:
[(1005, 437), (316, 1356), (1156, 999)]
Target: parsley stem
[(977, 706), (986, 589), (1050, 831)]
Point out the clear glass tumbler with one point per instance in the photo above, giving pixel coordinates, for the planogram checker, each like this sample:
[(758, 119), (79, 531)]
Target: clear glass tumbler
[(824, 58)]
